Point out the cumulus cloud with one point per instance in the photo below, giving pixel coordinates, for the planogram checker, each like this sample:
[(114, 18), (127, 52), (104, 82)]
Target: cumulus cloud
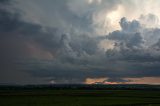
[(133, 51), (67, 50), (22, 41)]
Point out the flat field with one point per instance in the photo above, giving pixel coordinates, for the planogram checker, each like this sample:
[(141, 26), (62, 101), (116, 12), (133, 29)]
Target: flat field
[(79, 98)]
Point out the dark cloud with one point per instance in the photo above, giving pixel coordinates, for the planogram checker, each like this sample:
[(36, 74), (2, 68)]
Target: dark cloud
[(136, 57), (20, 39), (128, 26), (34, 53)]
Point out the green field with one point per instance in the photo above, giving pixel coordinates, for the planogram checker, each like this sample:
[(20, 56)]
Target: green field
[(79, 98)]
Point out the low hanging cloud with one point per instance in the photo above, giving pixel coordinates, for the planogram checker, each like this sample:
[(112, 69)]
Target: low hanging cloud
[(32, 52)]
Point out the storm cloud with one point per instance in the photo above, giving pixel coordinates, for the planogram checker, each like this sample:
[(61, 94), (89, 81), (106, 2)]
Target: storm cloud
[(63, 44)]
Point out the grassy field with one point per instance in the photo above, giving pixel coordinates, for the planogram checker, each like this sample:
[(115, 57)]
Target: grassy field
[(79, 98)]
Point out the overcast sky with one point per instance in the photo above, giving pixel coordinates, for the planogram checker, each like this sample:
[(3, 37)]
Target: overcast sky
[(79, 41)]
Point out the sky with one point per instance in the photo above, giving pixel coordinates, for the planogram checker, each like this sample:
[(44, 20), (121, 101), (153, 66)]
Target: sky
[(79, 41)]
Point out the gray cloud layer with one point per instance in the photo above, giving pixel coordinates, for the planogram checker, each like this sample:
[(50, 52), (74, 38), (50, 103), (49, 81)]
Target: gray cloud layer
[(36, 53)]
